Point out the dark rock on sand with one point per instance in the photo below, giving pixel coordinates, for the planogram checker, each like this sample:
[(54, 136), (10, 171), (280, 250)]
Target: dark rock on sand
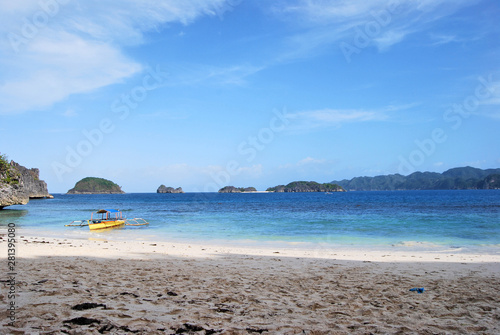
[(82, 321), (87, 305)]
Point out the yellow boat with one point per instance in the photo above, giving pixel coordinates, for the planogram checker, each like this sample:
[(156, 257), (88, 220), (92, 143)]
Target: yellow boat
[(110, 218)]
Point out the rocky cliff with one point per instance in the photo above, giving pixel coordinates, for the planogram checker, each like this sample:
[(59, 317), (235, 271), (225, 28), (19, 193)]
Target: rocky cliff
[(164, 189), (19, 184)]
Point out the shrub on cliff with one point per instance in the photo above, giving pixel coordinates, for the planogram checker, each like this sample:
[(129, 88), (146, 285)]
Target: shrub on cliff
[(8, 175)]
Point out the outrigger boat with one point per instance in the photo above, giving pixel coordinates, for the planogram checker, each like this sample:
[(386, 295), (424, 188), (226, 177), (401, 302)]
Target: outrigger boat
[(109, 218)]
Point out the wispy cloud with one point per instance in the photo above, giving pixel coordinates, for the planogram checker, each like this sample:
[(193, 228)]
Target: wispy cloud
[(77, 47), (327, 117), (383, 23), (310, 160), (324, 118), (439, 39), (69, 113), (196, 74), (323, 169)]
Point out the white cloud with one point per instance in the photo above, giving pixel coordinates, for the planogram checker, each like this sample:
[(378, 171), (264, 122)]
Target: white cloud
[(54, 51), (310, 160), (59, 66), (388, 39), (194, 74), (383, 23), (308, 120), (69, 113), (328, 117), (443, 39)]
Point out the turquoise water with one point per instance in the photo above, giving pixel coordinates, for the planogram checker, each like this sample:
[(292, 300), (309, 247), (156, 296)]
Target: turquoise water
[(446, 219)]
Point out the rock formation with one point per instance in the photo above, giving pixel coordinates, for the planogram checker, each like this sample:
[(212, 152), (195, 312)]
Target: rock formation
[(92, 185), (164, 189), (19, 184), (232, 189), (306, 186)]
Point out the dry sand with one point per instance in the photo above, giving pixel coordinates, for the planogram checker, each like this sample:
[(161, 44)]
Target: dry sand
[(118, 287)]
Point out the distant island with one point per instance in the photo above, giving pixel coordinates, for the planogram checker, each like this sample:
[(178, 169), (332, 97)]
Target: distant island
[(464, 178), (164, 189), (232, 189), (92, 185), (306, 186)]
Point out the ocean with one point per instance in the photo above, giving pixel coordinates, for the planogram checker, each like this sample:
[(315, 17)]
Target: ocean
[(426, 220)]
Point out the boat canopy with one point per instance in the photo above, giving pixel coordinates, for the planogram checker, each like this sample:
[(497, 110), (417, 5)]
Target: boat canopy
[(108, 210)]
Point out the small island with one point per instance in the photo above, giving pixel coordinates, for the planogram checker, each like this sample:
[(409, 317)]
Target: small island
[(232, 189), (306, 186), (164, 189), (92, 185)]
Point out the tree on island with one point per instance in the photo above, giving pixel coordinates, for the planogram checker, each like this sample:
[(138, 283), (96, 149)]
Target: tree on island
[(92, 185), (232, 189), (306, 186)]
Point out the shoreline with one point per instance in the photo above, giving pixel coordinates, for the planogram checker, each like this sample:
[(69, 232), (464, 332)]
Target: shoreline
[(99, 286), (321, 249), (35, 246)]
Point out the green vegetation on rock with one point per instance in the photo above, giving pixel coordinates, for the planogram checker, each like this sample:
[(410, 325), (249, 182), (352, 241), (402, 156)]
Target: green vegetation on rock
[(232, 189), (306, 186), (454, 179), (92, 185), (8, 175)]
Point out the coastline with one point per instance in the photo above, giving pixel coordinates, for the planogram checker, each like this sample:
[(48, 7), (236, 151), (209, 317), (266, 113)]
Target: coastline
[(37, 246), (176, 287)]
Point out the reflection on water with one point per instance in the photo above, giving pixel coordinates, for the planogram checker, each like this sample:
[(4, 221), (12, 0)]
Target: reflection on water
[(11, 215)]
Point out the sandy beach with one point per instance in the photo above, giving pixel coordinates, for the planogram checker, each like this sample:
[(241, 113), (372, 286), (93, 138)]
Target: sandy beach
[(68, 286)]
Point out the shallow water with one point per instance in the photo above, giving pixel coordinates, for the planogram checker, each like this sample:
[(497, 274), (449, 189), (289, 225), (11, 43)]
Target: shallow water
[(463, 220)]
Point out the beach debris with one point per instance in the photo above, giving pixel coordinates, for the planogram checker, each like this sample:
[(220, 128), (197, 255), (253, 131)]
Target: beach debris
[(189, 328), (110, 326), (128, 293), (254, 330), (87, 305), (106, 328), (418, 289), (172, 294), (82, 321), (223, 308)]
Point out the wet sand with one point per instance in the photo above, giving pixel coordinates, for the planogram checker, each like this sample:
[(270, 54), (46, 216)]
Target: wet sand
[(119, 287)]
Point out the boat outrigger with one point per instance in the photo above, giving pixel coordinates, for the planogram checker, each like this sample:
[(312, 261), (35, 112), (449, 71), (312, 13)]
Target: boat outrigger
[(109, 218)]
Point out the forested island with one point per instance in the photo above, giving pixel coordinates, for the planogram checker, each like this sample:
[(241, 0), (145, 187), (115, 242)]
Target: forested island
[(232, 189), (306, 186), (465, 178), (92, 185)]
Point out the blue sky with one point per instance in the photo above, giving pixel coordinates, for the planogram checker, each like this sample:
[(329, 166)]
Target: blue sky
[(203, 94)]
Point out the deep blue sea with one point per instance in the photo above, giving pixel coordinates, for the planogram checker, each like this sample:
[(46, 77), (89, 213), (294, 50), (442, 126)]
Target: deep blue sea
[(462, 220)]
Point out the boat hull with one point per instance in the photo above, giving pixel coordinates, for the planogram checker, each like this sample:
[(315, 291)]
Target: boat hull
[(106, 224)]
